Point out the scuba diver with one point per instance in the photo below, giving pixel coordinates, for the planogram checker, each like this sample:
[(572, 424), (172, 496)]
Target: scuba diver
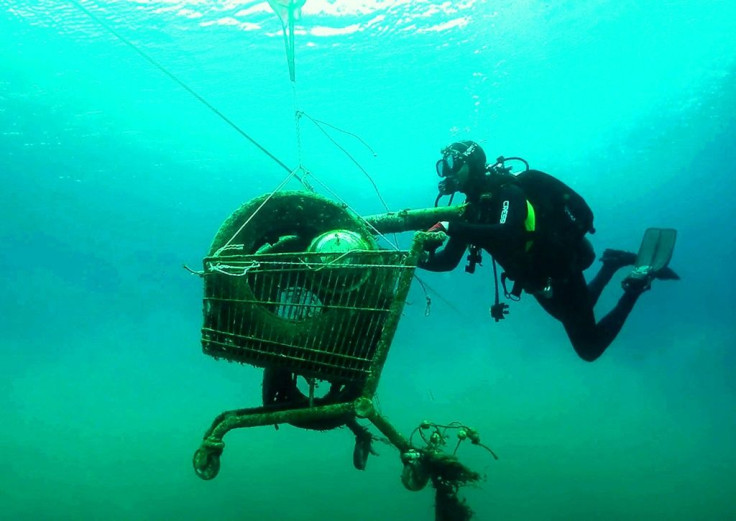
[(534, 227)]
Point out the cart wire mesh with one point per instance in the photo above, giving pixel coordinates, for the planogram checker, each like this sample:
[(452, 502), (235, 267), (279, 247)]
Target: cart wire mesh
[(319, 315)]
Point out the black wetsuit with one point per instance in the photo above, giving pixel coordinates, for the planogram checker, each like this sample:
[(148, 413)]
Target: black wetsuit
[(497, 224)]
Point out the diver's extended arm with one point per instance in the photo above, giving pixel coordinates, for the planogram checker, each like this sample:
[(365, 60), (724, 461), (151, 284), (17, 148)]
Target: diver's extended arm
[(502, 225), (482, 233)]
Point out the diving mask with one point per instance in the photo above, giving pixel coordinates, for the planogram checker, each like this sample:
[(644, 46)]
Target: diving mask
[(453, 160)]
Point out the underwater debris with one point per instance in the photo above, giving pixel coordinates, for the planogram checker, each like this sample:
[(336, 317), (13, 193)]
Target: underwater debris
[(444, 470), (296, 284)]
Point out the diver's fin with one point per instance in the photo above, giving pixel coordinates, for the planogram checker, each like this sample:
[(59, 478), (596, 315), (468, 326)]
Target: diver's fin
[(656, 248), (667, 273), (654, 255)]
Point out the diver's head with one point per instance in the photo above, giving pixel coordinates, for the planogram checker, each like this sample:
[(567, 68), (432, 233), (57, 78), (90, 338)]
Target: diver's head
[(461, 168)]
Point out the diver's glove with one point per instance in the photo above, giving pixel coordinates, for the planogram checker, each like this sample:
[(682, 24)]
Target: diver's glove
[(441, 226)]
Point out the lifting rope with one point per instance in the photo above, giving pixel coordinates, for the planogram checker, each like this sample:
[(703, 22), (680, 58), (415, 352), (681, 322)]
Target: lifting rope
[(186, 87), (292, 10)]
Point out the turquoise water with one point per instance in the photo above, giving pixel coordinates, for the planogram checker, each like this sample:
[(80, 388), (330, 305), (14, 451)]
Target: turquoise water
[(114, 176)]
